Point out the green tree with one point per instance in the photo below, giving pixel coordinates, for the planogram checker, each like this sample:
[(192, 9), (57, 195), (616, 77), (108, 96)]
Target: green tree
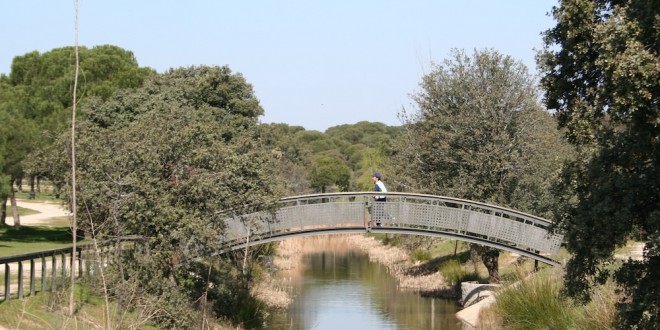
[(16, 142), (329, 170), (479, 133), (44, 81), (601, 76), (169, 162), (37, 95), (366, 147), (5, 183), (289, 156)]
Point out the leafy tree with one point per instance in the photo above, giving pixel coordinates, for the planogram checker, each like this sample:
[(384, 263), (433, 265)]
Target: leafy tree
[(289, 155), (44, 81), (367, 148), (5, 183), (312, 160), (479, 133), (328, 170), (601, 75), (37, 101), (169, 162), (16, 141)]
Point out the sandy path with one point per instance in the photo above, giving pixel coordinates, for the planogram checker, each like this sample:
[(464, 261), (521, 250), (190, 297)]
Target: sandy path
[(47, 211)]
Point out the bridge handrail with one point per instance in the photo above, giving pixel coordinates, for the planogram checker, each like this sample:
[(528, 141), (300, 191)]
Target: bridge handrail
[(536, 219), (67, 249)]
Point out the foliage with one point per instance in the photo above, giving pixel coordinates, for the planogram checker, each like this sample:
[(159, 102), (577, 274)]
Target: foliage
[(601, 76), (169, 162), (289, 156), (16, 142), (44, 81), (16, 132), (343, 158), (37, 101), (479, 133), (328, 169)]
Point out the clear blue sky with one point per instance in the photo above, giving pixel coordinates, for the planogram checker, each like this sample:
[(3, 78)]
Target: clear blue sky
[(316, 64)]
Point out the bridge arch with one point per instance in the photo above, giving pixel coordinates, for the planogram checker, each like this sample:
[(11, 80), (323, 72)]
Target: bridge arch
[(403, 213)]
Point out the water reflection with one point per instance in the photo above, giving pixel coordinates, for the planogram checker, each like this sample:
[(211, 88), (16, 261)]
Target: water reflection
[(344, 290)]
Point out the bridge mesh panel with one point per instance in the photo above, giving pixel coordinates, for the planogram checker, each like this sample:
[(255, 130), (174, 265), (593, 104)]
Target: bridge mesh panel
[(311, 215), (465, 218), (234, 229), (479, 223), (447, 218), (504, 229)]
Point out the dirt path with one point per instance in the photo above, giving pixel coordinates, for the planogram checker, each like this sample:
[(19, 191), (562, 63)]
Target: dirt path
[(47, 211), (635, 252)]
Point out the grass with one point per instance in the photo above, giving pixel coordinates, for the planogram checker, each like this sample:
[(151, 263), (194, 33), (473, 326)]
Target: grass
[(534, 301), (455, 273), (43, 196), (23, 211), (420, 255), (46, 311), (26, 239)]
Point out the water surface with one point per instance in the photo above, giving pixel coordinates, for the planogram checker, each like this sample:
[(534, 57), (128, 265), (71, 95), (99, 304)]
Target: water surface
[(344, 290)]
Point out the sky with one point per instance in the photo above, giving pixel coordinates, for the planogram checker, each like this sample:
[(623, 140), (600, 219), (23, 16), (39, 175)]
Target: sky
[(315, 64)]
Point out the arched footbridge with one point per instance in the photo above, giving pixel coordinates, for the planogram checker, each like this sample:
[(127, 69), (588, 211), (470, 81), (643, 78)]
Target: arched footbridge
[(402, 213)]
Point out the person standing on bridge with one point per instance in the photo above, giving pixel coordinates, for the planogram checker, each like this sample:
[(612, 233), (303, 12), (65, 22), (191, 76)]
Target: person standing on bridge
[(379, 207), (378, 186)]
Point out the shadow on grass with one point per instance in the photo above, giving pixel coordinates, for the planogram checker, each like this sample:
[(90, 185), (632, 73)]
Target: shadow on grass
[(432, 265), (35, 234)]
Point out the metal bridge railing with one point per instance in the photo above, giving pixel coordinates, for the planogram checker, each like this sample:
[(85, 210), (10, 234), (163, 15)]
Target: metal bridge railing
[(410, 213)]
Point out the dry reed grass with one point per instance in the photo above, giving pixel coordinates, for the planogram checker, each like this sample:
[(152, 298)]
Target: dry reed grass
[(398, 263)]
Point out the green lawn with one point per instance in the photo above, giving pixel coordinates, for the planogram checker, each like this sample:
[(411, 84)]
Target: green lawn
[(23, 211), (27, 239), (43, 196)]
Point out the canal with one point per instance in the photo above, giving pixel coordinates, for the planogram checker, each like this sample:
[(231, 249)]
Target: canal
[(342, 289)]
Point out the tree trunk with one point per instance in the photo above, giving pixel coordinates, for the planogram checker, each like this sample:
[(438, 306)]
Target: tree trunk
[(14, 208), (490, 256), (3, 209)]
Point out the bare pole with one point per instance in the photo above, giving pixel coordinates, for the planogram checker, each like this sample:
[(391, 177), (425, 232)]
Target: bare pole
[(74, 227)]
